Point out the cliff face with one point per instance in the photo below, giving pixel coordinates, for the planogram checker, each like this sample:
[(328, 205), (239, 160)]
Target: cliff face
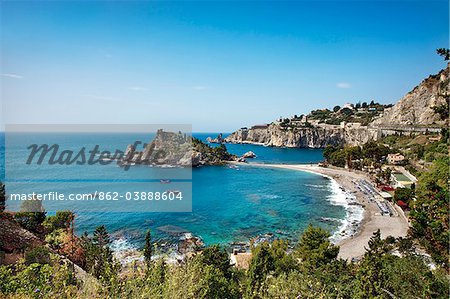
[(416, 107), (315, 137), (168, 148)]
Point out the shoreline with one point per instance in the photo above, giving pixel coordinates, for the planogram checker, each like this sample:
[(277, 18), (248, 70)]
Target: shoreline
[(357, 227), (353, 246)]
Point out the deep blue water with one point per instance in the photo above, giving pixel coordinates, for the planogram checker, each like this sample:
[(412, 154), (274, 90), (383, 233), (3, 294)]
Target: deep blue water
[(270, 154), (228, 204)]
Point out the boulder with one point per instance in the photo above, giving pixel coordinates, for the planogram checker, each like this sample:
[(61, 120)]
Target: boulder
[(249, 154)]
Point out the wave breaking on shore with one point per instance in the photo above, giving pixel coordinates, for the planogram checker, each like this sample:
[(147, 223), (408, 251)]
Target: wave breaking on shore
[(350, 225)]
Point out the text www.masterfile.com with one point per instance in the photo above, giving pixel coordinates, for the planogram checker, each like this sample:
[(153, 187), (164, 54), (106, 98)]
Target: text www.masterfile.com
[(99, 195)]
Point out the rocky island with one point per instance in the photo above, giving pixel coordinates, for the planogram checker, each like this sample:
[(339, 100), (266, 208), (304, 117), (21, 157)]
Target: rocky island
[(175, 149)]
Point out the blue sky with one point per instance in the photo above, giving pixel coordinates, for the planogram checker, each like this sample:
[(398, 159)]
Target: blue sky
[(215, 65)]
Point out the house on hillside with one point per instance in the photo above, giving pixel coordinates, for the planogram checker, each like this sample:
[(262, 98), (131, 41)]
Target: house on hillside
[(395, 158)]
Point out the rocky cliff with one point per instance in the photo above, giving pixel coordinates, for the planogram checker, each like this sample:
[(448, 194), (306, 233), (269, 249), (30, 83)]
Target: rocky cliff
[(167, 148), (419, 107), (312, 137), (416, 107)]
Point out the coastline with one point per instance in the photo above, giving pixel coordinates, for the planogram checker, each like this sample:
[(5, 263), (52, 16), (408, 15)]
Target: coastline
[(362, 218), (353, 246)]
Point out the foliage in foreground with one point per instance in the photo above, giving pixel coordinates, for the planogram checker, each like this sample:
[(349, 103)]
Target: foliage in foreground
[(312, 270)]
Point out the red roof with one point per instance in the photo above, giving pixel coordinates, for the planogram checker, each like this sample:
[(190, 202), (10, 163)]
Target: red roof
[(402, 204), (388, 188)]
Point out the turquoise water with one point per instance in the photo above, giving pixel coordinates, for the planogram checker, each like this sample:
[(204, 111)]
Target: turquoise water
[(229, 204)]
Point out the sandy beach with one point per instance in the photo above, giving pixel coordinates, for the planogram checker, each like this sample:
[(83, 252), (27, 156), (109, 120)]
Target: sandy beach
[(354, 246)]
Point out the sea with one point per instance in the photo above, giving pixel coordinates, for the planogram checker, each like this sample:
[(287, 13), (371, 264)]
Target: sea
[(229, 204)]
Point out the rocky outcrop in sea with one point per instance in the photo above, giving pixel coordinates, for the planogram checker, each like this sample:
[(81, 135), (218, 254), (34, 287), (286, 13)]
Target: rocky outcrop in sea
[(167, 148), (175, 149)]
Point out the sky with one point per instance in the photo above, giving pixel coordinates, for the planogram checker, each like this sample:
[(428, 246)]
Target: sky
[(216, 65)]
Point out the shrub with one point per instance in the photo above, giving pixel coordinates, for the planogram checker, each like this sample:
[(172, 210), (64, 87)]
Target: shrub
[(62, 220), (39, 255)]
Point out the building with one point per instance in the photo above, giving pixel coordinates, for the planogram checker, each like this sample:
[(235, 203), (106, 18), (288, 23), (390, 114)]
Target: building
[(395, 158), (399, 180)]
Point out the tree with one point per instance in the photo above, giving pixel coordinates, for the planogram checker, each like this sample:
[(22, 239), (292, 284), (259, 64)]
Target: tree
[(353, 152), (283, 262), (370, 274), (374, 150), (218, 258), (329, 150), (336, 108), (2, 197), (347, 111), (99, 259), (444, 53), (403, 194), (338, 158), (101, 237), (364, 105), (261, 264), (315, 249), (148, 248), (358, 105), (62, 220)]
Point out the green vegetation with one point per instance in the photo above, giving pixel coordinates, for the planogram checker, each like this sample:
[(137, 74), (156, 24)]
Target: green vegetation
[(311, 270), (429, 214), (404, 194), (359, 113), (371, 154), (390, 268), (54, 280), (428, 159), (39, 254), (98, 255), (148, 248), (211, 155), (62, 220), (444, 53)]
